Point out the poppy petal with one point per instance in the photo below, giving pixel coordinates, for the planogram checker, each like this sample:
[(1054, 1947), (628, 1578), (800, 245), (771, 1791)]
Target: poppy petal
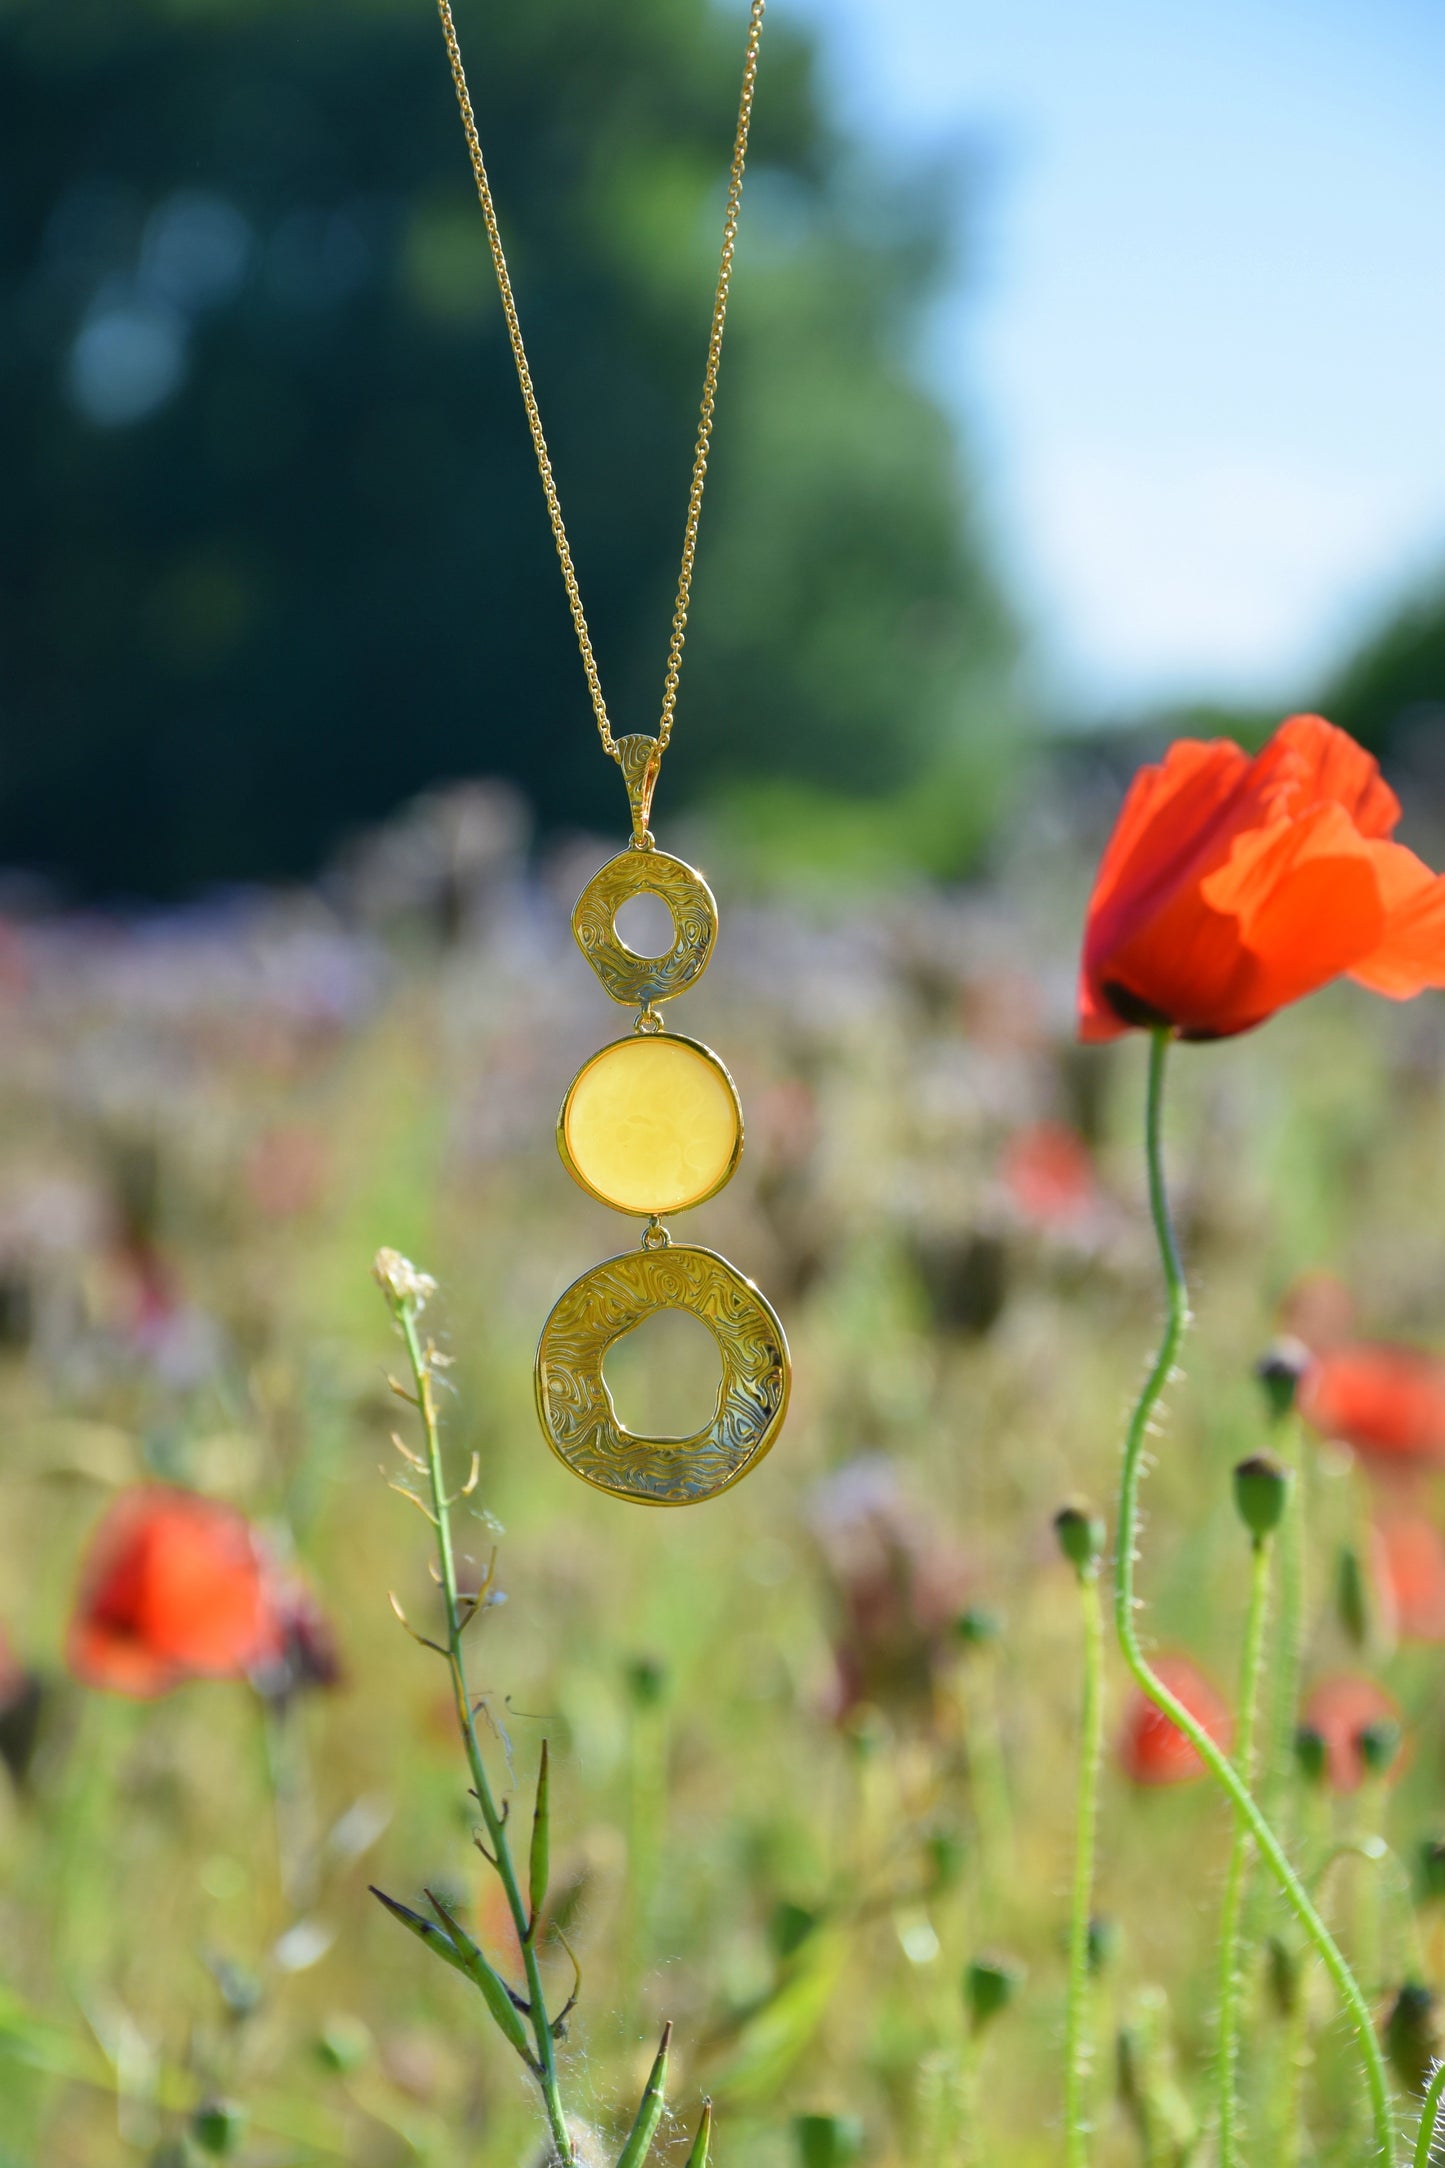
[(1330, 766), (1411, 952)]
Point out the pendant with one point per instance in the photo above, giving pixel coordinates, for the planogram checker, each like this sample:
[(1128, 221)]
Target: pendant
[(651, 1125)]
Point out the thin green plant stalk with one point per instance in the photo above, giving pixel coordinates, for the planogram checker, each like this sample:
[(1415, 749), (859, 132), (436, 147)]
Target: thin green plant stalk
[(405, 1302), (1078, 2034), (1125, 1604), (1240, 1857), (1429, 2116), (1290, 1545)]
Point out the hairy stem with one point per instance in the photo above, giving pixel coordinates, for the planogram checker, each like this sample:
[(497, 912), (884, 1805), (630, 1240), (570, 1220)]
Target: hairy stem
[(1078, 2042), (546, 2054), (1125, 1603), (1429, 2115), (1241, 1853)]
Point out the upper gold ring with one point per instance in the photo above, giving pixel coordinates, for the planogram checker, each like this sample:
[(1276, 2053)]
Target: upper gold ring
[(628, 977)]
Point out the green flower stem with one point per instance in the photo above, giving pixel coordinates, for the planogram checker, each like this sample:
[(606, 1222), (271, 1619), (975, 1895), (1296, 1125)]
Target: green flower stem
[(1429, 2115), (1125, 1602), (545, 2063), (1289, 1636), (1241, 1853), (1078, 2042)]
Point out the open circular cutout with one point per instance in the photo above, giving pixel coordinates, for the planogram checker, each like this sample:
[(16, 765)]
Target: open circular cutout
[(645, 926)]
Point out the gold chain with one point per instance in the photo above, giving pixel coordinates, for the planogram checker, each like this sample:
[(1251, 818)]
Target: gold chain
[(709, 382)]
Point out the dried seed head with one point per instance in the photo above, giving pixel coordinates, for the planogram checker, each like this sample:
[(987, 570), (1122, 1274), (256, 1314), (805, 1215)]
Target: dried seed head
[(399, 1280)]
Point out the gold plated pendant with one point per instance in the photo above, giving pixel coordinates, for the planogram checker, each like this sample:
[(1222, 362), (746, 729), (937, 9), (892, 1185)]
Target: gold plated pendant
[(627, 976), (651, 1125), (576, 1407)]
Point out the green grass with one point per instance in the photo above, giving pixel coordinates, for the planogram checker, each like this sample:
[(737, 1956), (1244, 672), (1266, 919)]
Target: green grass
[(800, 1894)]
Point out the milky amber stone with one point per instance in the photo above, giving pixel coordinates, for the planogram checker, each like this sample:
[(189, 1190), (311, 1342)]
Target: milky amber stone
[(651, 1124)]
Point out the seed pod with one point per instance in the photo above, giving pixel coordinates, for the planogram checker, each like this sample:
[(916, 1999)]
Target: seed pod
[(649, 2113), (1352, 1597), (702, 2143), (828, 2141), (977, 1626), (1261, 1488), (541, 1856), (217, 2127), (1432, 1867), (1279, 1371), (1310, 1753), (496, 1994), (423, 1929), (1379, 1743), (1081, 1536), (989, 1985)]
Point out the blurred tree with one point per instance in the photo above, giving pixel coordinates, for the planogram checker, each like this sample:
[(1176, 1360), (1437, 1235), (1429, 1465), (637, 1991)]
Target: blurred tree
[(275, 551), (1391, 693)]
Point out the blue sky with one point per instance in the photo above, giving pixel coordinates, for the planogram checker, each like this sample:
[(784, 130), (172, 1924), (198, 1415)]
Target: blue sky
[(1201, 343)]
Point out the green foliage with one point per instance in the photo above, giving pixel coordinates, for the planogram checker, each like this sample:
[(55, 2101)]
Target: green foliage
[(1391, 692), (276, 551)]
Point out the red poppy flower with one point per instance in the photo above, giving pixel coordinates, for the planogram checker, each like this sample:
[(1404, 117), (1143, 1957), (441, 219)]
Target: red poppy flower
[(1408, 1556), (1152, 1749), (1340, 1711), (1232, 886), (1388, 1403), (1049, 1175), (174, 1587)]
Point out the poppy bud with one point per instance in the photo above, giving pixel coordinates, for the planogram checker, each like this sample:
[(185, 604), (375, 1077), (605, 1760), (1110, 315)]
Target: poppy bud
[(1279, 1371), (1378, 1744), (217, 2126), (1309, 1754), (790, 1926), (1283, 1972), (1081, 1536), (1103, 1943), (1261, 1487), (946, 1852), (989, 1985), (827, 2141), (1352, 1599), (646, 1681), (343, 2044), (1432, 1867), (1412, 2035), (977, 1626)]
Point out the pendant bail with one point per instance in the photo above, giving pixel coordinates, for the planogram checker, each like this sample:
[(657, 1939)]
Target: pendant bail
[(640, 757)]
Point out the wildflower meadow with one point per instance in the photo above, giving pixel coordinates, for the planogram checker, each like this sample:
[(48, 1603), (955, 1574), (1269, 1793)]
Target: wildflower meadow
[(1039, 1760)]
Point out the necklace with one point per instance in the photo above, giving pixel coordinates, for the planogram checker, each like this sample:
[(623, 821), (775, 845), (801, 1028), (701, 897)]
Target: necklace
[(651, 1123)]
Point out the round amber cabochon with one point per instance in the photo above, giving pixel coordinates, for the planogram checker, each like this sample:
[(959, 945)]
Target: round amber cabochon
[(651, 1124)]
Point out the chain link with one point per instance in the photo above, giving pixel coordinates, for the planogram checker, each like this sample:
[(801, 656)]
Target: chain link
[(709, 382)]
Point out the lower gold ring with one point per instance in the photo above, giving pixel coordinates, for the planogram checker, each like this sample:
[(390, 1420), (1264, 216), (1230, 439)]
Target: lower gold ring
[(576, 1408)]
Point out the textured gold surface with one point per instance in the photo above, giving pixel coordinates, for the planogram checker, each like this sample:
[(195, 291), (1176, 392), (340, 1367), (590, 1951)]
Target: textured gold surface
[(576, 1409), (628, 977), (640, 757), (651, 1125)]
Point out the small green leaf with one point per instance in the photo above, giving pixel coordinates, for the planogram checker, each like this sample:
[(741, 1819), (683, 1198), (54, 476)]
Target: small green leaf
[(649, 2114), (540, 1865)]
